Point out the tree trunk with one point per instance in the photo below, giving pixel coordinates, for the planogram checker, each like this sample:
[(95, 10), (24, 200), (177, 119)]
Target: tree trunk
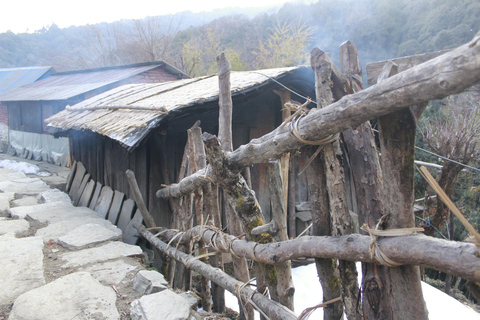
[(397, 141), (240, 266), (195, 134), (447, 180), (243, 201), (368, 181), (335, 183), (285, 286), (326, 267)]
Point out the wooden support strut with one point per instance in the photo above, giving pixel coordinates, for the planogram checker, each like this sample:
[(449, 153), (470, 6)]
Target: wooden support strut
[(438, 78)]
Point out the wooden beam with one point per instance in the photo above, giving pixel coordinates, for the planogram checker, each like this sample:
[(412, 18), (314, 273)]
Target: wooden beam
[(404, 63), (457, 258)]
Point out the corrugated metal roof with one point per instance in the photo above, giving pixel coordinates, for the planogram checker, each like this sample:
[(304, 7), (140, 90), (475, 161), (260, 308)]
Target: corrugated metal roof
[(129, 112), (11, 78), (63, 86)]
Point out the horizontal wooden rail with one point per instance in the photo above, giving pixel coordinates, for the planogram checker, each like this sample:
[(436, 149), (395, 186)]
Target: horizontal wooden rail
[(457, 258)]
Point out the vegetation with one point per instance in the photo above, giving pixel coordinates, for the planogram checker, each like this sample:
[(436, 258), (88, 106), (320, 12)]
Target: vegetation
[(380, 29)]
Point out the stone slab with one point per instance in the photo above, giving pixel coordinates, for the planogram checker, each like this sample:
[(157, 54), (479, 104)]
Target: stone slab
[(14, 226), (89, 234), (74, 296), (51, 212), (109, 251), (126, 214), (116, 206), (191, 298), (77, 180), (87, 194), (112, 272), (149, 281), (166, 305), (5, 199), (8, 175), (25, 201), (28, 186), (21, 267), (104, 201), (96, 194), (54, 195), (55, 230)]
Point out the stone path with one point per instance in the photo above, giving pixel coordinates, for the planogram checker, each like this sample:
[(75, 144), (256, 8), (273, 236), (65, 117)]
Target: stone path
[(62, 262)]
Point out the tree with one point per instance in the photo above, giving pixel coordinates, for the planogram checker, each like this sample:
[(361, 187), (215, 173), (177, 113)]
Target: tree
[(454, 134), (285, 47)]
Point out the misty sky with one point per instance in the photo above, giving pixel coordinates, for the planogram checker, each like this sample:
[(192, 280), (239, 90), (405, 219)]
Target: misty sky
[(31, 15)]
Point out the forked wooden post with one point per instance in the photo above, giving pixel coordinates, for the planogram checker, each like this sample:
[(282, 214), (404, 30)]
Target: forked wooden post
[(226, 142)]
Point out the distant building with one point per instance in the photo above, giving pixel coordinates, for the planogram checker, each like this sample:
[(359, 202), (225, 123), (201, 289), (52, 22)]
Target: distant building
[(29, 105), (10, 79)]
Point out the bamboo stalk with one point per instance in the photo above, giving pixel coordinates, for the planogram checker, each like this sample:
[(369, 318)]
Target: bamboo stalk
[(449, 203)]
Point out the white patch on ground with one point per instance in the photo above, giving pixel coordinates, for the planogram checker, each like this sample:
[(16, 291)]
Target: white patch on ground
[(308, 293), (24, 167)]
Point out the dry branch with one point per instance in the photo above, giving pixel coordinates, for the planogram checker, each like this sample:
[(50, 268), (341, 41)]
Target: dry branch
[(458, 258)]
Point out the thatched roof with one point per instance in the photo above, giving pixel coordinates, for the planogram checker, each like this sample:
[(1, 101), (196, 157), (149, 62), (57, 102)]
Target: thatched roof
[(128, 113)]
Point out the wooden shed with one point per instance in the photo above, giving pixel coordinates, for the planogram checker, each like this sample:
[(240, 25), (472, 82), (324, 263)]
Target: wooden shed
[(143, 127), (29, 105)]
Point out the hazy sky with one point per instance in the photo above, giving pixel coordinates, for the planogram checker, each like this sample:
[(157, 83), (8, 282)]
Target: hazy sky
[(30, 15)]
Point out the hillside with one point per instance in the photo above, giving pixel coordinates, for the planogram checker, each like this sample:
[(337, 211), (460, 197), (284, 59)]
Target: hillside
[(380, 29)]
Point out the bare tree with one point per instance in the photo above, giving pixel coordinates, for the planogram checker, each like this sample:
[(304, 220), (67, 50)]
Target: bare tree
[(453, 134)]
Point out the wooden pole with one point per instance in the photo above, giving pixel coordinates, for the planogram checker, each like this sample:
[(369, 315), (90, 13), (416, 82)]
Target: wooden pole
[(397, 144), (226, 142), (335, 183), (137, 196), (285, 286), (195, 134), (368, 181), (457, 258), (272, 309)]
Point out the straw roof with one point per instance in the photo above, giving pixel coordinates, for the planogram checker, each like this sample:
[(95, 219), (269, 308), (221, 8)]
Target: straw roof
[(128, 113)]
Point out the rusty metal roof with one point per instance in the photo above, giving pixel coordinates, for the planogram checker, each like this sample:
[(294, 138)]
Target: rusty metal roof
[(127, 113), (66, 85), (11, 78)]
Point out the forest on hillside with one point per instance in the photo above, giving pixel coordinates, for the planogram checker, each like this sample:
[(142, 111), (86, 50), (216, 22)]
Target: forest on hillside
[(380, 29)]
